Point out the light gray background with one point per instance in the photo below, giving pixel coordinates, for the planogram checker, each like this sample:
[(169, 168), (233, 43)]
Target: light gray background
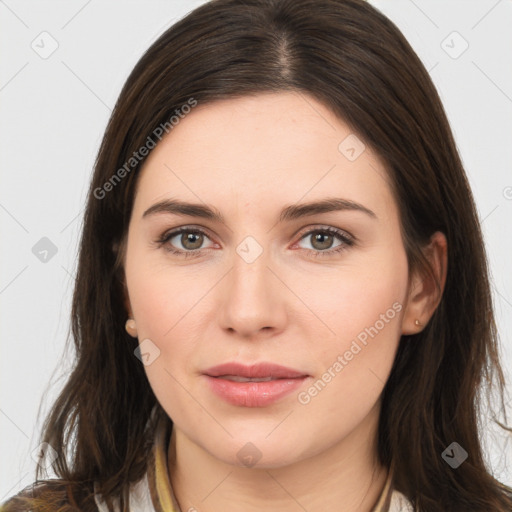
[(54, 111)]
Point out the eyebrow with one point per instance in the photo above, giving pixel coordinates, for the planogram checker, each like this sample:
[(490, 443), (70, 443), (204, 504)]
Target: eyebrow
[(291, 212)]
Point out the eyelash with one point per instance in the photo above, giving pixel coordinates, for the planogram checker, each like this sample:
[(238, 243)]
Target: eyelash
[(348, 241)]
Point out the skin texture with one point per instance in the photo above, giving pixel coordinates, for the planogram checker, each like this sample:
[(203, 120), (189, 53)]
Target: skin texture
[(249, 158)]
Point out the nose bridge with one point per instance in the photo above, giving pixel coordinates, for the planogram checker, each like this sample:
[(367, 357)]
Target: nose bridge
[(250, 274), (252, 300)]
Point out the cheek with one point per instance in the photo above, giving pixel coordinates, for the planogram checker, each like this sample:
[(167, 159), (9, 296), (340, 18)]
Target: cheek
[(162, 305), (363, 311), (161, 297), (358, 297), (165, 314), (157, 304)]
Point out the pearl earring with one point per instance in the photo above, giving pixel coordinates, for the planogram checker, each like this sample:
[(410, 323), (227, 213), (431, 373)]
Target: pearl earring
[(131, 327), (417, 322)]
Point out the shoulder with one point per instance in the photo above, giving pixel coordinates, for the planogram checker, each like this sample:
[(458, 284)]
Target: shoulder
[(50, 495)]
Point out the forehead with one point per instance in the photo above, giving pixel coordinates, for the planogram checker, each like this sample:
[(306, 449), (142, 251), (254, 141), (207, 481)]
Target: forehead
[(263, 150)]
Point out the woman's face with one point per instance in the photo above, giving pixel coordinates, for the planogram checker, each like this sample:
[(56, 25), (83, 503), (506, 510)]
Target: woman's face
[(266, 282)]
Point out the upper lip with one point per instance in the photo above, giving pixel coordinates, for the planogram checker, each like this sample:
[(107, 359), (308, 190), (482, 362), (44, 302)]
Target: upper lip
[(257, 370)]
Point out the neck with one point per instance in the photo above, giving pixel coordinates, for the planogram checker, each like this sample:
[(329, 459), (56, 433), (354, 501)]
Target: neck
[(345, 478)]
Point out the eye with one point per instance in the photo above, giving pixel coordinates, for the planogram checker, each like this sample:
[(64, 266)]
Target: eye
[(191, 239), (323, 238)]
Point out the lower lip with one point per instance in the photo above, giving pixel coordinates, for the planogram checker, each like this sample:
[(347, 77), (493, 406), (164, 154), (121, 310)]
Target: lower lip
[(253, 394)]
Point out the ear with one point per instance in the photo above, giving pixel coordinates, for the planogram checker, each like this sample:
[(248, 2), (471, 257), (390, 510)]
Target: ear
[(425, 291)]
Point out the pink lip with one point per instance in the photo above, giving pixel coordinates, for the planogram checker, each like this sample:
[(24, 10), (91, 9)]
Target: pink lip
[(256, 370), (253, 394)]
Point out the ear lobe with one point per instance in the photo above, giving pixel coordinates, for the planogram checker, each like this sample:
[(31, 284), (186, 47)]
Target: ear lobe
[(426, 290)]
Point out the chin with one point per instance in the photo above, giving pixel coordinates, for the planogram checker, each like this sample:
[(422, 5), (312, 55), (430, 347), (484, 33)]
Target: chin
[(260, 453)]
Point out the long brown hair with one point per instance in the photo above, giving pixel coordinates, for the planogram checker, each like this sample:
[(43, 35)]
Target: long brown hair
[(350, 57)]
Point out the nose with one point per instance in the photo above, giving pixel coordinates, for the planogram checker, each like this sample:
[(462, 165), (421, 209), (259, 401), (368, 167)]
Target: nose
[(253, 299)]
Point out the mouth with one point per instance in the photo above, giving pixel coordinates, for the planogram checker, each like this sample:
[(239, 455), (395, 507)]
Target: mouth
[(257, 385), (238, 378), (264, 370)]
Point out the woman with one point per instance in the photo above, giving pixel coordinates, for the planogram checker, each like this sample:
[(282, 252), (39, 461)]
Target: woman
[(282, 297)]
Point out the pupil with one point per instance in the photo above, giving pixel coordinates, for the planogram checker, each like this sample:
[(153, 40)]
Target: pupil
[(322, 236), (193, 239)]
